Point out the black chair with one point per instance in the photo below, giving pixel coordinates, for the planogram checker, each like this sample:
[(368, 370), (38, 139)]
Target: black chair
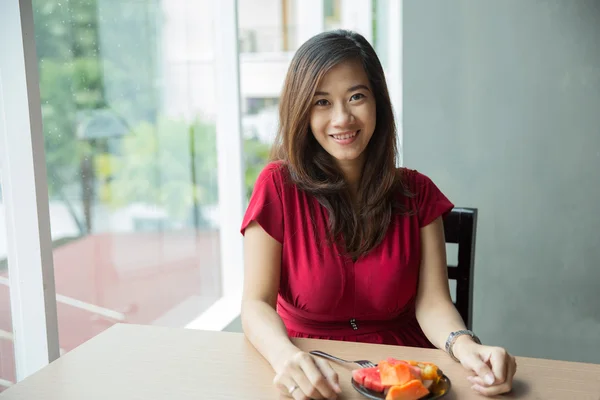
[(460, 228)]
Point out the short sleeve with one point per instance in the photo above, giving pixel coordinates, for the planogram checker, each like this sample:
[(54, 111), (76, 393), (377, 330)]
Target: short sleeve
[(431, 202), (265, 205)]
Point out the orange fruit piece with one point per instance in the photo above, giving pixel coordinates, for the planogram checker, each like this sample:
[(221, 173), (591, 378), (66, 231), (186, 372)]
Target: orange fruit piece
[(394, 374), (429, 371), (412, 390)]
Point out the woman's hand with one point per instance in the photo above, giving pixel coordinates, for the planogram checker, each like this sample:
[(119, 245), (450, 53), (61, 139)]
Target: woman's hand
[(494, 368), (304, 377)]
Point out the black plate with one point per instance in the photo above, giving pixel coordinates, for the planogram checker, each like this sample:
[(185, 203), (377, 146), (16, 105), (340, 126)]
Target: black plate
[(436, 391)]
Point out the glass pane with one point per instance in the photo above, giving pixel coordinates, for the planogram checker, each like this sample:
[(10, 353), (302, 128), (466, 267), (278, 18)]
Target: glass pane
[(128, 103), (332, 14), (265, 44), (7, 354)]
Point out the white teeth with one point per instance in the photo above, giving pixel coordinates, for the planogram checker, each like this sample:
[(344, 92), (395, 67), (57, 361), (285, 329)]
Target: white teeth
[(345, 136)]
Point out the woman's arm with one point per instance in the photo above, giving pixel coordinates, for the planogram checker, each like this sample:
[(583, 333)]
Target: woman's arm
[(436, 313), (262, 325), (438, 317), (264, 328)]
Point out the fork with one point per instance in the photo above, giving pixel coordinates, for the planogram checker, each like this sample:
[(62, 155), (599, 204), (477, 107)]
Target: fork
[(361, 363)]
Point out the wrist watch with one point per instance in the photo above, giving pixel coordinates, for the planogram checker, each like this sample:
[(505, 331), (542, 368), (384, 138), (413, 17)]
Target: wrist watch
[(455, 335)]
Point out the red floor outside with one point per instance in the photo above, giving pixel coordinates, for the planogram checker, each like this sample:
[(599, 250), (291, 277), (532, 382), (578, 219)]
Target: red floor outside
[(148, 277)]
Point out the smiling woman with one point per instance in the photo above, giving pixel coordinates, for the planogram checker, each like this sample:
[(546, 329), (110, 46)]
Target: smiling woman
[(338, 134), (340, 244)]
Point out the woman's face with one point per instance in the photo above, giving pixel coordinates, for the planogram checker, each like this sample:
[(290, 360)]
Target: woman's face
[(343, 113)]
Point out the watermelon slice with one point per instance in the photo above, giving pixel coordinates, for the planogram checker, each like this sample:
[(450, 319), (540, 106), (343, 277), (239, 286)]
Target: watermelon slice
[(369, 378)]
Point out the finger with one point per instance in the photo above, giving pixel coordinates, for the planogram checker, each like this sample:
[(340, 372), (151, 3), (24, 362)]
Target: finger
[(501, 388), (499, 360), (492, 390), (285, 383), (330, 374), (482, 370), (321, 386), (475, 380), (298, 394), (305, 386)]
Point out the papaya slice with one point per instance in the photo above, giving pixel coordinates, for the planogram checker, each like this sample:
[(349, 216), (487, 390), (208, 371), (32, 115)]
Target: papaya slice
[(412, 390), (415, 370), (395, 374)]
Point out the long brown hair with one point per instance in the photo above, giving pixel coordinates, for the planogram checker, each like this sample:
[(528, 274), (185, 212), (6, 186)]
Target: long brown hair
[(361, 226)]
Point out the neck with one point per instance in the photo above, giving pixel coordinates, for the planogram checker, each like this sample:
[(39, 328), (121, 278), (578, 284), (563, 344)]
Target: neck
[(352, 171)]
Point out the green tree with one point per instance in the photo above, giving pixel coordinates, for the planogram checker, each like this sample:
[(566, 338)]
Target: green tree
[(173, 165), (256, 155), (92, 57), (170, 164)]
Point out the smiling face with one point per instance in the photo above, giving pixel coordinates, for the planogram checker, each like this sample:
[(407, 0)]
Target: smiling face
[(343, 114)]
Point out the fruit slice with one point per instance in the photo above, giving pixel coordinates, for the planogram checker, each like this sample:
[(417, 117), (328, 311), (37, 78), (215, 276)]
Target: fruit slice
[(416, 371), (394, 374), (359, 376), (412, 390), (369, 378), (429, 371)]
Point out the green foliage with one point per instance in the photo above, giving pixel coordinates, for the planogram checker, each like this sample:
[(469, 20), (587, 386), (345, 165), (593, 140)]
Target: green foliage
[(171, 164), (92, 57), (256, 154), (101, 58)]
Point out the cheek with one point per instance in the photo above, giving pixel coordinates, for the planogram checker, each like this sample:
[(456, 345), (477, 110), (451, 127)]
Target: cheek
[(318, 124), (370, 118)]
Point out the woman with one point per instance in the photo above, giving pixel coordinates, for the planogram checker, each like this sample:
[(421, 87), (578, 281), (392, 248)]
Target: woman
[(339, 243)]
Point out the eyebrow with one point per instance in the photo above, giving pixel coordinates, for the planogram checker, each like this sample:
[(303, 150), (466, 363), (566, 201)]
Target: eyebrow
[(352, 89)]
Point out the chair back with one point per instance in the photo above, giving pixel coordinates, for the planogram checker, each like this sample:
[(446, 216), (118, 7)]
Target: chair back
[(460, 227)]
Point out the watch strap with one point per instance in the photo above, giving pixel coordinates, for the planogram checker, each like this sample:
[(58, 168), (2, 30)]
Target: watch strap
[(455, 335)]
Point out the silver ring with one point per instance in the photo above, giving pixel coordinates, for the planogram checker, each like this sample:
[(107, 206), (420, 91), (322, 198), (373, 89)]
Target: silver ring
[(291, 390)]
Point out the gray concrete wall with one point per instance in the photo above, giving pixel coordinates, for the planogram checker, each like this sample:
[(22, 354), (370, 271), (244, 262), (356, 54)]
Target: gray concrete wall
[(502, 110)]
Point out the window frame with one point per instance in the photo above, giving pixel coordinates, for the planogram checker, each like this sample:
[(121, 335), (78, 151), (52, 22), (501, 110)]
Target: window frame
[(25, 194)]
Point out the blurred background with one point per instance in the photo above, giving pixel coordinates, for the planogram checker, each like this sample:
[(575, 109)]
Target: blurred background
[(496, 101)]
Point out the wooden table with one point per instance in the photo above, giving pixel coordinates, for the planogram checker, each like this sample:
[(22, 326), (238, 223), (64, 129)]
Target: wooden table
[(132, 362)]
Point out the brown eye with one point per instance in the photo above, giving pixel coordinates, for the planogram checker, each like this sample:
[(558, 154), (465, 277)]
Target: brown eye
[(357, 96), (322, 102)]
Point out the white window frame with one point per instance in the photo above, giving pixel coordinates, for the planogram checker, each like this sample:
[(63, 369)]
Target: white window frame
[(231, 170), (357, 15), (25, 194), (389, 44), (309, 19)]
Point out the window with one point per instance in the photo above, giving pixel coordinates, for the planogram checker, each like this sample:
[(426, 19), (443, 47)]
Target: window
[(332, 14), (7, 356), (128, 107), (261, 76)]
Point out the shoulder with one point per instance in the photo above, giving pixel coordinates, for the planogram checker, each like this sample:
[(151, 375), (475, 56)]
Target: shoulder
[(412, 179), (274, 177), (428, 199), (274, 172), (273, 168)]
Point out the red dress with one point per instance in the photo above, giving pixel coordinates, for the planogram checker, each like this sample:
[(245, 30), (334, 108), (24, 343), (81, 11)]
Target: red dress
[(325, 295)]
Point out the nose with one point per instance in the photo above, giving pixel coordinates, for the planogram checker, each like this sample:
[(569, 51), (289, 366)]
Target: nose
[(342, 116)]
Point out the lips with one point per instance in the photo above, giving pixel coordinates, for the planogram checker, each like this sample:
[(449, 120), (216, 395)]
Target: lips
[(345, 135)]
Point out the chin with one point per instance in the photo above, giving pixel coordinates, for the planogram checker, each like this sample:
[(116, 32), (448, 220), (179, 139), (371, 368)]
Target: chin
[(345, 157)]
